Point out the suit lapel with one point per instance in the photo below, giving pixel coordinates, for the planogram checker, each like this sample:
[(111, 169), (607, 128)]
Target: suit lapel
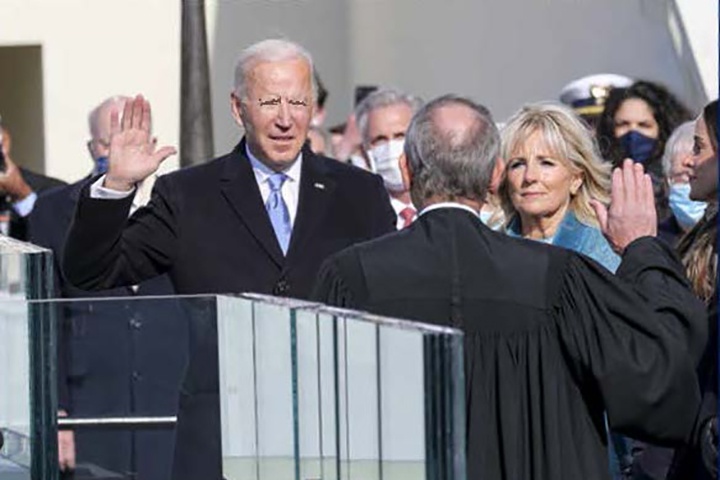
[(316, 193), (72, 199), (240, 188)]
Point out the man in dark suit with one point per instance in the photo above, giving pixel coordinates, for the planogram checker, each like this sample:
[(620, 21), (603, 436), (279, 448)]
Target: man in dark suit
[(19, 189), (112, 361), (259, 219), (553, 342)]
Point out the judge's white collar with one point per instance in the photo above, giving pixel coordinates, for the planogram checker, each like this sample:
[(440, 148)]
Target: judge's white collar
[(437, 206)]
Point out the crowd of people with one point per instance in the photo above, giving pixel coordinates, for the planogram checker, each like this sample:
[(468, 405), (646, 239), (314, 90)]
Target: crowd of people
[(574, 244)]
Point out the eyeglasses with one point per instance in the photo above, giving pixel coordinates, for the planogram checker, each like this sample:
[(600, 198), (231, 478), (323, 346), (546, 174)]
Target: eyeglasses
[(274, 102)]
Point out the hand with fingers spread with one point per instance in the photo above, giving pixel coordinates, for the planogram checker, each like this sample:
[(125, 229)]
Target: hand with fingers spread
[(133, 152), (631, 214)]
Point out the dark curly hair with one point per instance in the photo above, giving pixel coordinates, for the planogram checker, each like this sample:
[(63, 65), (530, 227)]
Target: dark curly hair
[(669, 113)]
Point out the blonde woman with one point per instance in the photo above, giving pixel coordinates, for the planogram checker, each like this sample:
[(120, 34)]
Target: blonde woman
[(553, 171), (552, 174)]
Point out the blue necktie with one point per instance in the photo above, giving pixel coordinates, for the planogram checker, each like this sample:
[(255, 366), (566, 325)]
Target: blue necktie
[(278, 211)]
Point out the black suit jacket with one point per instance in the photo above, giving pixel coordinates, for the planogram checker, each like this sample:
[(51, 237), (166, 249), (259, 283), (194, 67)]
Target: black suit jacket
[(39, 184), (207, 227), (48, 225)]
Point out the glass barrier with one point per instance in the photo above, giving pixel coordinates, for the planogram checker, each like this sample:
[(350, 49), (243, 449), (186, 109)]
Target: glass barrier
[(25, 270), (305, 391), (27, 377), (312, 392), (122, 362)]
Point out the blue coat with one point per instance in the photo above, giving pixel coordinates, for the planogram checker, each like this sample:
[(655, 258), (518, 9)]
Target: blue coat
[(578, 237)]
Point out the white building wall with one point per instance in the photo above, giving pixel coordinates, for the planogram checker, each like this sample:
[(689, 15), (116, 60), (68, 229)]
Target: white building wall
[(700, 21), (92, 49), (504, 53)]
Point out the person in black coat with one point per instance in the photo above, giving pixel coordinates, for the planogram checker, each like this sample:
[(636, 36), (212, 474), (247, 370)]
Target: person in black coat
[(19, 189), (259, 219), (553, 341), (698, 250)]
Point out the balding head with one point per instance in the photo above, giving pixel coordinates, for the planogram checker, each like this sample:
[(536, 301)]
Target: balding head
[(99, 125), (451, 147)]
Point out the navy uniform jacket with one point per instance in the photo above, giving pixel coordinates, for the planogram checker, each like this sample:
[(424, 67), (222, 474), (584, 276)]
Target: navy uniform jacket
[(207, 227), (115, 359)]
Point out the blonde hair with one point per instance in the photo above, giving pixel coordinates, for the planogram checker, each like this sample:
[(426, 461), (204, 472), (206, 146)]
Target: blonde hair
[(570, 140)]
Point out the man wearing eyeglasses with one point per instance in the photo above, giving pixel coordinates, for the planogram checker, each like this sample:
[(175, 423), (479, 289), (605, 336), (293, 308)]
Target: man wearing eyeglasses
[(259, 219)]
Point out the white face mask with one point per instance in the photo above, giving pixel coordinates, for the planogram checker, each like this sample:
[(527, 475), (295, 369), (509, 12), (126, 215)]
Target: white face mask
[(687, 212), (385, 159)]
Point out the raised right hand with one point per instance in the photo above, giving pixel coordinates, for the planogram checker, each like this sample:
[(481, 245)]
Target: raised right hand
[(133, 153), (632, 207)]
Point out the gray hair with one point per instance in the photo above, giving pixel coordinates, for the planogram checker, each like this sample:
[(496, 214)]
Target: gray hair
[(270, 50), (451, 162), (383, 97), (96, 113), (680, 141)]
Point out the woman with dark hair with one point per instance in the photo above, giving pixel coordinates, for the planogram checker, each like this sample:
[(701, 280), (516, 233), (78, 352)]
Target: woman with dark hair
[(698, 250), (636, 123)]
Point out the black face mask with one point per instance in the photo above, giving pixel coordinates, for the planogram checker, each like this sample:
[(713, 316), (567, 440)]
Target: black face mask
[(637, 146)]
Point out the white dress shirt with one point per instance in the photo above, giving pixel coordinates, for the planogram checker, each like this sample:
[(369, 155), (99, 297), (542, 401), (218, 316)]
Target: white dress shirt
[(399, 206), (141, 199), (291, 187), (25, 206), (436, 206)]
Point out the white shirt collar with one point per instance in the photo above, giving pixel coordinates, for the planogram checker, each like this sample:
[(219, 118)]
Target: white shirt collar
[(437, 206), (262, 171), (399, 206)]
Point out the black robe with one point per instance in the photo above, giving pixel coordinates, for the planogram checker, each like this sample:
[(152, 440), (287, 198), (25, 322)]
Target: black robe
[(552, 340)]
